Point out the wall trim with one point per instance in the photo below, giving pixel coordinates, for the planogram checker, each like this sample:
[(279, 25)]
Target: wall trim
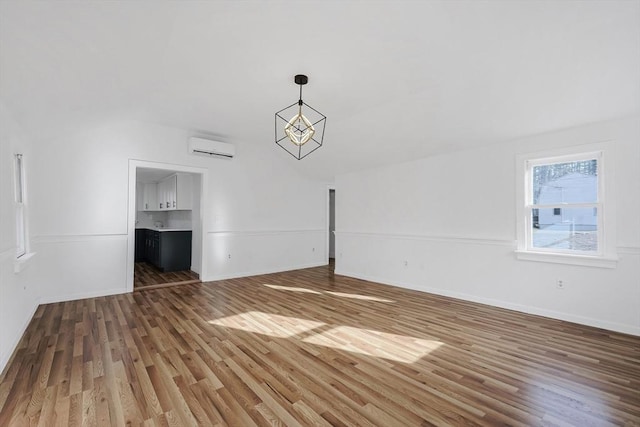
[(431, 237), (587, 321), (629, 250), (64, 238), (263, 232)]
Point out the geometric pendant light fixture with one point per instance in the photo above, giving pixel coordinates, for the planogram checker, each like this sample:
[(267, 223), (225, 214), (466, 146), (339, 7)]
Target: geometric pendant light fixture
[(300, 131)]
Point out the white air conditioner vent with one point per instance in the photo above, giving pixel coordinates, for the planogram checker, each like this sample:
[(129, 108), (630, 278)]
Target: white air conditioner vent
[(210, 148)]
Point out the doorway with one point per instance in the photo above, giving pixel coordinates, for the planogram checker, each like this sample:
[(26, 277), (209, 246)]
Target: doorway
[(165, 239), (331, 227)]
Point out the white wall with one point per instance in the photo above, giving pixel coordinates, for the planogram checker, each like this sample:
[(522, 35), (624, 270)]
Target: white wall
[(196, 225), (447, 225), (255, 203), (260, 215), (18, 297)]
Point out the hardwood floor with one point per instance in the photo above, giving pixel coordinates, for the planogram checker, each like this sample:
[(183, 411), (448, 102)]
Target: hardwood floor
[(307, 348), (147, 276)]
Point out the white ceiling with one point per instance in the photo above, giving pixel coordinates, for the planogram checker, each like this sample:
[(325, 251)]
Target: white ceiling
[(144, 175), (396, 79)]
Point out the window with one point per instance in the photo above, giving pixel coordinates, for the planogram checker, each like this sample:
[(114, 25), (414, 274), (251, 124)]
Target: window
[(564, 204), (21, 229), (561, 210)]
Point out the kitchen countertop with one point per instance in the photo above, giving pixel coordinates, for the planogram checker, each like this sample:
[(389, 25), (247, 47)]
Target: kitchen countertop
[(163, 229)]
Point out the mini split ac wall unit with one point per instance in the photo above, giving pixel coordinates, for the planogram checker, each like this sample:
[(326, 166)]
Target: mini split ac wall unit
[(210, 148)]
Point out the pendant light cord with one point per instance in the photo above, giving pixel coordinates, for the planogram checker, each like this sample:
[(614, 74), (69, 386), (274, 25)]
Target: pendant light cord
[(300, 101)]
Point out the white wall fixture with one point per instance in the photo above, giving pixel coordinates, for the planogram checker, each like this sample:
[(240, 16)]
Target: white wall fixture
[(211, 148)]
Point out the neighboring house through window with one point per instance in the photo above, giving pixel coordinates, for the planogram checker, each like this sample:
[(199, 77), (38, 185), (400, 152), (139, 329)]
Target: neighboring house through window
[(564, 194), (561, 212)]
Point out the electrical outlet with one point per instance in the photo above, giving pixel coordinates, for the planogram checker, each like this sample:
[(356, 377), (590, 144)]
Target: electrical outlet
[(229, 256), (560, 284), (313, 249), (406, 263)]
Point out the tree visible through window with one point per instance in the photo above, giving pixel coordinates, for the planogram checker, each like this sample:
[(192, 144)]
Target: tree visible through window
[(564, 205)]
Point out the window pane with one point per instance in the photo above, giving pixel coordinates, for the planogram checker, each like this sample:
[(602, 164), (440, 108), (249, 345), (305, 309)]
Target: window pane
[(572, 182), (21, 235), (20, 231), (18, 180), (574, 229)]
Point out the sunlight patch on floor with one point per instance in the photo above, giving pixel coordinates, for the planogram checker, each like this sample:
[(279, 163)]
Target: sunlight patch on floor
[(273, 325), (358, 296), (291, 288), (332, 293), (375, 343), (399, 348)]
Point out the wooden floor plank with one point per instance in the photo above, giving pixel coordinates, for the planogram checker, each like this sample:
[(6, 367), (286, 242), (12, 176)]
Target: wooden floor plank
[(307, 347), (148, 276)]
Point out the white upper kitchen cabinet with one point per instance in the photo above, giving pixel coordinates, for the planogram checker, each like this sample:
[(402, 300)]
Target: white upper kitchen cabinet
[(174, 192), (164, 193), (150, 197), (183, 192)]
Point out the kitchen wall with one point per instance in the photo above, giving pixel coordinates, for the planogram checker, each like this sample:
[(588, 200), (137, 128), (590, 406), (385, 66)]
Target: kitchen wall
[(149, 219), (179, 219), (170, 219), (447, 225)]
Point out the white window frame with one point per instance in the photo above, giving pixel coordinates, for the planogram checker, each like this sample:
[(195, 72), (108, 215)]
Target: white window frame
[(24, 255), (605, 255), (20, 196)]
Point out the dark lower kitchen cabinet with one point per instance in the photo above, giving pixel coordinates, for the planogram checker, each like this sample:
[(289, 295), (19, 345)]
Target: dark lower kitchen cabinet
[(167, 250), (174, 250), (140, 245), (153, 247)]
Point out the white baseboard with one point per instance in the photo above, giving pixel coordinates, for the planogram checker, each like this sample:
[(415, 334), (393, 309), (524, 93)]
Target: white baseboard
[(587, 321), (82, 295)]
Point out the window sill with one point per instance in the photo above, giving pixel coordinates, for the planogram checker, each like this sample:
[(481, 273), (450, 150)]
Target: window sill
[(587, 261), (23, 262)]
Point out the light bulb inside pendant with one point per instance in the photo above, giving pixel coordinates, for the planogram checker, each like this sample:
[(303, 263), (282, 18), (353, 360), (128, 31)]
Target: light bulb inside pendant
[(299, 129)]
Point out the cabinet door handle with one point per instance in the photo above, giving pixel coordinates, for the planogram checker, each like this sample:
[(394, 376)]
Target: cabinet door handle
[(146, 206), (160, 205), (174, 203)]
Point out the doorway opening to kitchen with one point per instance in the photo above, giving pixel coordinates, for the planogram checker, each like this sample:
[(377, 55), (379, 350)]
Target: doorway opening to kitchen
[(165, 225), (331, 228)]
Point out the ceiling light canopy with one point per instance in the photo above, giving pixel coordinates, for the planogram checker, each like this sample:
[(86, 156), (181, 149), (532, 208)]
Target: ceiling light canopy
[(303, 133)]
